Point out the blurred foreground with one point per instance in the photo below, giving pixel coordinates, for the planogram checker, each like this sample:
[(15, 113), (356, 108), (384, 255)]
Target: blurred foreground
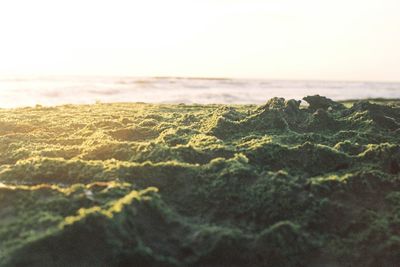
[(201, 185)]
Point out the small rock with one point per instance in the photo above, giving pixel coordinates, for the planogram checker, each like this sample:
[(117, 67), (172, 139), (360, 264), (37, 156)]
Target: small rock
[(320, 102)]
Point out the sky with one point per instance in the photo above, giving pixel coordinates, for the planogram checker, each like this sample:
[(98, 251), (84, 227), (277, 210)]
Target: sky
[(285, 39)]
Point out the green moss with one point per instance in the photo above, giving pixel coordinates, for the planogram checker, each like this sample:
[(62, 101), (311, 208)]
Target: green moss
[(282, 184)]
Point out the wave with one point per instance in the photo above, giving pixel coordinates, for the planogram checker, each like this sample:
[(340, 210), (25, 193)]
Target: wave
[(19, 91)]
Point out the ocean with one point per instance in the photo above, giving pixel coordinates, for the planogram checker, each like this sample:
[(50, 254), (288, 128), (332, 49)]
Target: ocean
[(22, 91)]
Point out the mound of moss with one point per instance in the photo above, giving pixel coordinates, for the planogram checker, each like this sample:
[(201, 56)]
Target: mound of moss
[(282, 184)]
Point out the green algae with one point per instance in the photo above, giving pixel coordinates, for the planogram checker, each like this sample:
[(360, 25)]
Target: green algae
[(282, 184)]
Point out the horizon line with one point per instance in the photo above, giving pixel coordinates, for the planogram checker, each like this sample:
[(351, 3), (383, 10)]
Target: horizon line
[(198, 77)]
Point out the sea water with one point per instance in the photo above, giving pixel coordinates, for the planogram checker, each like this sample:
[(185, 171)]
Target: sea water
[(21, 91)]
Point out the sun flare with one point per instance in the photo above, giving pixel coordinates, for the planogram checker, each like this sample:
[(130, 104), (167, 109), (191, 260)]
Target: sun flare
[(264, 39)]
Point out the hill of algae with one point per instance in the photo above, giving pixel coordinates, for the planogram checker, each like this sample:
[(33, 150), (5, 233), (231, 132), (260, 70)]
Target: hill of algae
[(190, 185)]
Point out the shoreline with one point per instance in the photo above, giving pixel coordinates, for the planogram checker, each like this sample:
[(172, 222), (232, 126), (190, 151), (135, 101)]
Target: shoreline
[(347, 102)]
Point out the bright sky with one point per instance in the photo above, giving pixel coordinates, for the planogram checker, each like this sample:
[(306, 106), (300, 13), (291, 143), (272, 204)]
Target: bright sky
[(282, 39)]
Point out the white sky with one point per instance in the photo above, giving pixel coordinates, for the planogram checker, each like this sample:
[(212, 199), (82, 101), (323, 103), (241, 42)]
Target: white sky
[(282, 39)]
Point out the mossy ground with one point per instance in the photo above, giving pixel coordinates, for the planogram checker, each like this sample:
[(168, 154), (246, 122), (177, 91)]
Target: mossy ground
[(201, 185)]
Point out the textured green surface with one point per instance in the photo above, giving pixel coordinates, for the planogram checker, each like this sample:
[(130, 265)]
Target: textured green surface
[(191, 185)]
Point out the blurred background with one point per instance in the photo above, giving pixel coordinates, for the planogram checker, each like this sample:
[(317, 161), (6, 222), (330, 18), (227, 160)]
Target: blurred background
[(57, 52)]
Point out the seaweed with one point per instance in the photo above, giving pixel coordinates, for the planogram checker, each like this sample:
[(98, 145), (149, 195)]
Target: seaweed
[(134, 184)]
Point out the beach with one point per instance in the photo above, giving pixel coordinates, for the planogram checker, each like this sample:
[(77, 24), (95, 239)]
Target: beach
[(276, 184)]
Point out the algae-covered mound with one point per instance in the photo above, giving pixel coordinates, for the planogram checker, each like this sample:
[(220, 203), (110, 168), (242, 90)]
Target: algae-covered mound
[(282, 184)]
